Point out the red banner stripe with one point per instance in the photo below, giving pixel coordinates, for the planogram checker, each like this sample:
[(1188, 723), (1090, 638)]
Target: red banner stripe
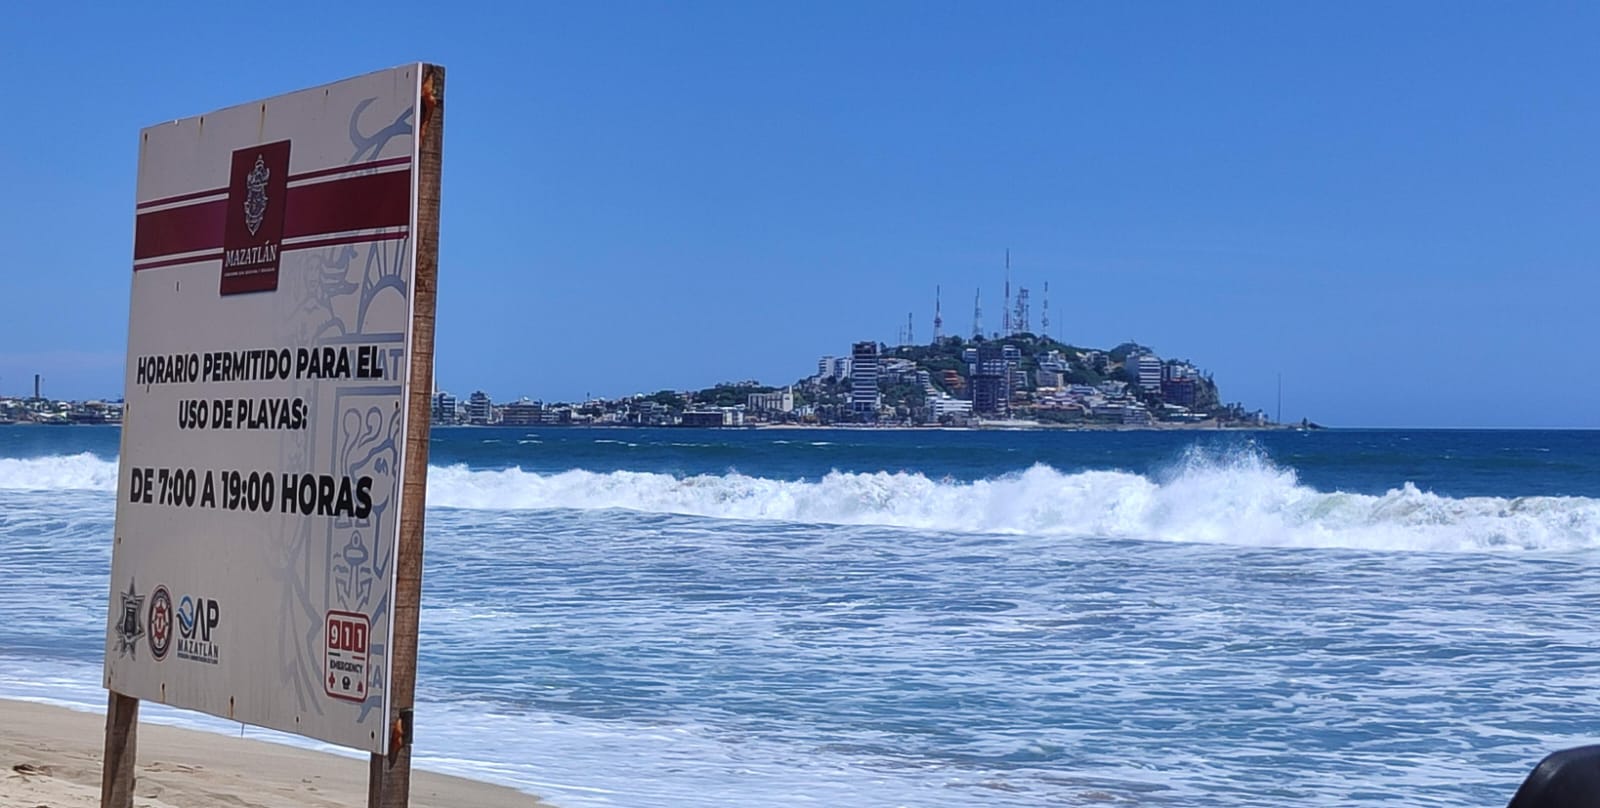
[(335, 241), (180, 198), (350, 203), (179, 230), (172, 262), (362, 202), (305, 175), (325, 172)]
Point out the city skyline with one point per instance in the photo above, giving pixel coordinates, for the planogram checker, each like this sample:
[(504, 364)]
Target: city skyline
[(1389, 208), (1019, 381), (1015, 380)]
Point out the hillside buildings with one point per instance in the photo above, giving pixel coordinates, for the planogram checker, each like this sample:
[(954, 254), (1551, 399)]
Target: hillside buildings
[(953, 382)]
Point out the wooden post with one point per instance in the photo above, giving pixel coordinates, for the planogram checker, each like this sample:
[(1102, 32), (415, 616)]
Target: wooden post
[(122, 748), (389, 784)]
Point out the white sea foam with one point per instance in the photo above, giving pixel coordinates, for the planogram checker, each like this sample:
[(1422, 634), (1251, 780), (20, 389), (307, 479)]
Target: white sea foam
[(1239, 499), (79, 472)]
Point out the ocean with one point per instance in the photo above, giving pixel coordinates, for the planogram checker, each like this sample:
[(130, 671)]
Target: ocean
[(678, 617)]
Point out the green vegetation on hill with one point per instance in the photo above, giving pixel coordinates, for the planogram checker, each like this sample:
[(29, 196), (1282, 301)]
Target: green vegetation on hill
[(730, 394)]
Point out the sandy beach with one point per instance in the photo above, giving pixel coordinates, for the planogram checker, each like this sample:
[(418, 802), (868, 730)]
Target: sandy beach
[(50, 758)]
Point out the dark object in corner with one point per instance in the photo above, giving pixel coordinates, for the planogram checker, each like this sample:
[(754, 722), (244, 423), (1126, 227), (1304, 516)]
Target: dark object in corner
[(1566, 779)]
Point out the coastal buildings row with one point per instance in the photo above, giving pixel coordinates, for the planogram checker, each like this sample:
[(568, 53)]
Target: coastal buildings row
[(951, 382), (46, 411), (684, 410), (36, 409)]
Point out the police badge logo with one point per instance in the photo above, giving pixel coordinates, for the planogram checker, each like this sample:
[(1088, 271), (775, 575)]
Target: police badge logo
[(130, 629), (255, 200)]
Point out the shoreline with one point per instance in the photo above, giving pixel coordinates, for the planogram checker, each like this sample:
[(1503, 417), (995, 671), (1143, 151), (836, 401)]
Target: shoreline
[(51, 756), (1025, 426), (986, 426)]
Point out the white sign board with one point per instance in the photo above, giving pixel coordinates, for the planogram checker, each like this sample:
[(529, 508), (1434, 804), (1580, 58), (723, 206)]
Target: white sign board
[(269, 353)]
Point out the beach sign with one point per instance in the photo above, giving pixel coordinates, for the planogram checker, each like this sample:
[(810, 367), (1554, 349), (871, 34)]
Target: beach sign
[(267, 557)]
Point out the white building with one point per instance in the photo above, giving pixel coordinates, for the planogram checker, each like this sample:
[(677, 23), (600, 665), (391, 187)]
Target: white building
[(1147, 369), (836, 368), (775, 401), (955, 407), (897, 371)]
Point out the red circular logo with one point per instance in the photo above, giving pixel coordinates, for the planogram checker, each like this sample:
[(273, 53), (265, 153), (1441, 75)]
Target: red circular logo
[(160, 633)]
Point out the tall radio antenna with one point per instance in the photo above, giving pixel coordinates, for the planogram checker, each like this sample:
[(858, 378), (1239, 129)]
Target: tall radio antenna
[(977, 314), (1044, 319), (1005, 308)]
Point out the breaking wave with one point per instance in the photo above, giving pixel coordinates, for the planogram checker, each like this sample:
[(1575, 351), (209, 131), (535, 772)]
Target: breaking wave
[(79, 472), (1237, 500), (1241, 499)]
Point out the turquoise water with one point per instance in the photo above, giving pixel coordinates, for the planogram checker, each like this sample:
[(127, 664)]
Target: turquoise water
[(879, 618)]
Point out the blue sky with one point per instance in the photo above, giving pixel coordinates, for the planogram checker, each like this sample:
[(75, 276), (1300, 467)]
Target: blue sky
[(1396, 206)]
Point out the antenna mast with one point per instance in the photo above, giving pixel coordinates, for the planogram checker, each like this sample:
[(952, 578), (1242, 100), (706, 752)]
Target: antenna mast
[(977, 314), (1044, 319), (1005, 308), (938, 317)]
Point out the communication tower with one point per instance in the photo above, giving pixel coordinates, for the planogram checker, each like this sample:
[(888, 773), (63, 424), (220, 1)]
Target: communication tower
[(977, 314), (1005, 307), (938, 317), (1044, 319)]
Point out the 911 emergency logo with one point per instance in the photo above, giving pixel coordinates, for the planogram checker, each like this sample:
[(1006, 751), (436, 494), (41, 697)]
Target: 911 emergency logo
[(345, 651)]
